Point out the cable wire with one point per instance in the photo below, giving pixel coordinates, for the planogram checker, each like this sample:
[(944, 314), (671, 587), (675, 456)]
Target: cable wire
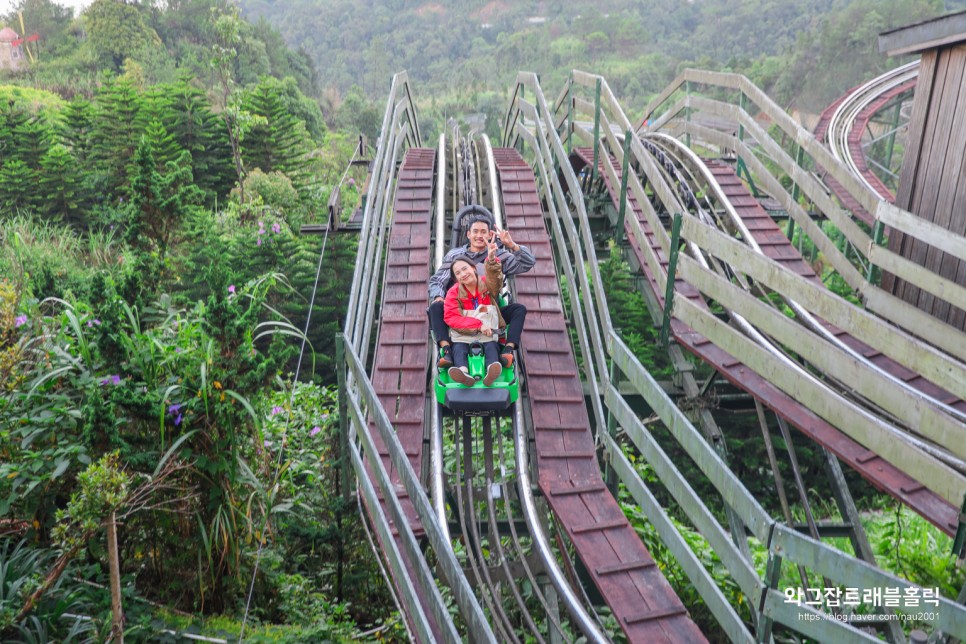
[(298, 369)]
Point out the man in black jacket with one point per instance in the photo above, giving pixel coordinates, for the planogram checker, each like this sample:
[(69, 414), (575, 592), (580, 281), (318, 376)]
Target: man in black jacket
[(515, 259)]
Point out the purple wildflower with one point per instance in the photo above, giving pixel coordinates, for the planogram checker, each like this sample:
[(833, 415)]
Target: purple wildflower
[(276, 228), (266, 443), (259, 242), (20, 320), (174, 409), (112, 380), (315, 430), (277, 410), (97, 322), (352, 181), (231, 289), (177, 420)]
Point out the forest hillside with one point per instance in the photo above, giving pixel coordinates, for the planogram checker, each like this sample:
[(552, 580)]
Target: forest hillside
[(803, 54)]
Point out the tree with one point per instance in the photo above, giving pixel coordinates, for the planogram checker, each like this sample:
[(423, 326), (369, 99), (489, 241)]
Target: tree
[(117, 30), (18, 187), (60, 185), (161, 196), (276, 141), (199, 131), (224, 55), (78, 122), (358, 114), (115, 133)]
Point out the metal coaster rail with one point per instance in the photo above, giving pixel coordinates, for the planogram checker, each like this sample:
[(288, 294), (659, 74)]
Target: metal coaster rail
[(557, 433), (608, 120)]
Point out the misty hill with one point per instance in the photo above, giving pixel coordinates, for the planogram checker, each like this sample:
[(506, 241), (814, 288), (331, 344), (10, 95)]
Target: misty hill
[(803, 53)]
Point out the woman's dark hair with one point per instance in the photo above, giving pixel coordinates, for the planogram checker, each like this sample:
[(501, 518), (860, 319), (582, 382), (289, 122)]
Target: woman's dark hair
[(461, 258)]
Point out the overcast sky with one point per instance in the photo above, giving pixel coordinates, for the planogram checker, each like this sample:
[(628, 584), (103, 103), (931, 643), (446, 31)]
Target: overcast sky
[(77, 5)]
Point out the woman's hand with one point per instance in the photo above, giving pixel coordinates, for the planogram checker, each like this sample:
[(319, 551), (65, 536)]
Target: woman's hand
[(491, 246), (486, 330)]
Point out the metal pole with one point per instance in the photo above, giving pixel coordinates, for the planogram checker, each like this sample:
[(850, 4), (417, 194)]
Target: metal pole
[(625, 166), (671, 269), (596, 130)]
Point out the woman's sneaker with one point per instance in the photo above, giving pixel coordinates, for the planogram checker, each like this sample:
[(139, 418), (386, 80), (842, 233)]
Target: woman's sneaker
[(458, 375), (492, 373), (445, 360)]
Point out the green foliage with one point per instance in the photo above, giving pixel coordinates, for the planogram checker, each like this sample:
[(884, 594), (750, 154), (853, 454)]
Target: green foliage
[(275, 139), (101, 490), (17, 187), (162, 193), (52, 261), (61, 185), (357, 114), (117, 31), (21, 572), (453, 49), (630, 317), (909, 546)]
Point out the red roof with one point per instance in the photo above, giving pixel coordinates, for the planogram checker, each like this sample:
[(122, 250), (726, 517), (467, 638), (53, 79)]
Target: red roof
[(8, 35)]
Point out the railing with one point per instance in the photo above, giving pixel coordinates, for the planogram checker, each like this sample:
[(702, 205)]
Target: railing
[(911, 352), (536, 128), (688, 104), (358, 401)]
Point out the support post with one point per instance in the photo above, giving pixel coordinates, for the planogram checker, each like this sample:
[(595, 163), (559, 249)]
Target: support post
[(625, 167), (773, 574), (878, 232), (890, 147), (960, 540), (672, 265), (343, 416), (610, 475), (596, 129), (570, 115), (857, 535), (687, 112), (799, 160)]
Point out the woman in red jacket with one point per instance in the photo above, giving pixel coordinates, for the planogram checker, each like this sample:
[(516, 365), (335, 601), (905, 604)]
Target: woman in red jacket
[(472, 312)]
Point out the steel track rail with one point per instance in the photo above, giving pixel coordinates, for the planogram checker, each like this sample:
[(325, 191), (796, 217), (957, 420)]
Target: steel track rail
[(848, 115), (708, 181)]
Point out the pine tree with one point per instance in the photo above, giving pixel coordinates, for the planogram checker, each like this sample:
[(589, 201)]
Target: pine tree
[(166, 148), (78, 122), (18, 187), (61, 186), (199, 131), (161, 196), (12, 117), (31, 140), (115, 133), (278, 142)]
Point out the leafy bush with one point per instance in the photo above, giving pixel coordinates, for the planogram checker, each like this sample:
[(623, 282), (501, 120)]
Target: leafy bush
[(22, 569)]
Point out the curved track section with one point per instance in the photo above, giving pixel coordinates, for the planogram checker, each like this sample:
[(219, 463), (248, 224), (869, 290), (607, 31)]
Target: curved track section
[(844, 124), (569, 476)]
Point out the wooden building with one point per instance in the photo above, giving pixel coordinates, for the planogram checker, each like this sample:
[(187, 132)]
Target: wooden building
[(932, 183)]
